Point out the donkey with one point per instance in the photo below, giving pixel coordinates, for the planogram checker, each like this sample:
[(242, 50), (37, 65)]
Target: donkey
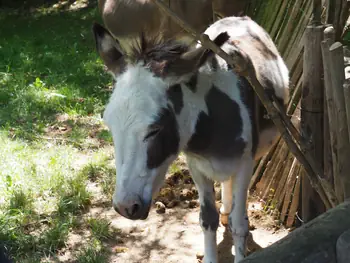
[(171, 98), (125, 18)]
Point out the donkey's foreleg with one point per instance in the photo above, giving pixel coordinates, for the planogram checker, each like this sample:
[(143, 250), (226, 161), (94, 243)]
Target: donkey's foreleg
[(209, 216), (238, 217), (226, 199)]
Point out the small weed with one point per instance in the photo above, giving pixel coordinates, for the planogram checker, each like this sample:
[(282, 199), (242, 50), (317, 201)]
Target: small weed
[(175, 168), (20, 201), (55, 237), (93, 253), (105, 135), (99, 228), (93, 171), (14, 237), (108, 183), (104, 174), (75, 198)]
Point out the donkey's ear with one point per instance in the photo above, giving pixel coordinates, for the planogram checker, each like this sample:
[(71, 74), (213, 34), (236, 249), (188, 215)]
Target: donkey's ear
[(192, 60), (109, 49)]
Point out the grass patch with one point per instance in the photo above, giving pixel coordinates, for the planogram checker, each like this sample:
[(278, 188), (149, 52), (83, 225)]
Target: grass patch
[(20, 201), (49, 68), (55, 237), (99, 228), (74, 197), (93, 253)]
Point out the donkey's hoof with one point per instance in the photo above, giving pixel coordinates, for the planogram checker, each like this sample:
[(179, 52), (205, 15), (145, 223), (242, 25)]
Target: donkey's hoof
[(224, 219)]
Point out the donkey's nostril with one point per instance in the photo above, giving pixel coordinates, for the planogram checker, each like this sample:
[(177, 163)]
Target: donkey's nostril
[(133, 210)]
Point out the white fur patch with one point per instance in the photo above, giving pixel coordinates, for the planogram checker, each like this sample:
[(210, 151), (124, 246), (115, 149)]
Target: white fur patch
[(274, 70)]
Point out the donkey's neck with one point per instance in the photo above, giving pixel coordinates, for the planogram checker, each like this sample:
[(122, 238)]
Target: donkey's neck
[(204, 94)]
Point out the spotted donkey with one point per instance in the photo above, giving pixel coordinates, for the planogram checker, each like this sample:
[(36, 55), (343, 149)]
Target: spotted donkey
[(170, 98)]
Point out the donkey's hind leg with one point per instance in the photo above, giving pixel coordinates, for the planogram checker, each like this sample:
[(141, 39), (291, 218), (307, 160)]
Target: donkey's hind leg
[(238, 218), (226, 199), (209, 216)]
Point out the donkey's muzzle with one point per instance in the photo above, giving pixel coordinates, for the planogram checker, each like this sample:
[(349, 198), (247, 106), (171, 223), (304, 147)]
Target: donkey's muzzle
[(132, 208)]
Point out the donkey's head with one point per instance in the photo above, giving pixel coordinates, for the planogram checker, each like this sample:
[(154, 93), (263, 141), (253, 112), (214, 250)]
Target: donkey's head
[(146, 114)]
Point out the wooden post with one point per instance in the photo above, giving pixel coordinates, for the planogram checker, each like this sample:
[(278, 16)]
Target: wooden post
[(333, 121), (343, 145), (312, 115), (347, 102), (328, 156)]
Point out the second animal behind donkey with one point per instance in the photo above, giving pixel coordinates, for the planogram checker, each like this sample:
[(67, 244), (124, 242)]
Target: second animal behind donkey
[(171, 98)]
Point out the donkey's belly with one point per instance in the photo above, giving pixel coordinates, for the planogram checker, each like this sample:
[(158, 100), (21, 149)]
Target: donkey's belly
[(214, 168), (267, 138)]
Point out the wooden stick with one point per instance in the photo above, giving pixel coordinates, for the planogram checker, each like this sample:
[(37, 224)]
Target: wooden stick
[(295, 200), (241, 63)]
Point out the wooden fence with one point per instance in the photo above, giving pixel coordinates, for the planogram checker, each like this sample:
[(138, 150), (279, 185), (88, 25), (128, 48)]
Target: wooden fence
[(278, 177)]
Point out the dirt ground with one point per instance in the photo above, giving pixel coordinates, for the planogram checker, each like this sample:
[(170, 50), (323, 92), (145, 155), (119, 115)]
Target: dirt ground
[(173, 234)]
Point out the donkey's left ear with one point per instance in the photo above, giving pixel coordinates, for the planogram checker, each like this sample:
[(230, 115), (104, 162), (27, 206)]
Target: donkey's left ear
[(191, 60), (109, 49)]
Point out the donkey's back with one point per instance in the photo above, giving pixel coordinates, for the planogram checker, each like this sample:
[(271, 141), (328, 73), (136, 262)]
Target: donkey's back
[(271, 70), (125, 18), (246, 35)]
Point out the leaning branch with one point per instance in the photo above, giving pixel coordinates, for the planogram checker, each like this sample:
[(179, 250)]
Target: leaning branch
[(243, 66)]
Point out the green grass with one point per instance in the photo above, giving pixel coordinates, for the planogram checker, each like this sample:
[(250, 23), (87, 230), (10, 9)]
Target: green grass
[(52, 139), (100, 228), (48, 66), (93, 253)]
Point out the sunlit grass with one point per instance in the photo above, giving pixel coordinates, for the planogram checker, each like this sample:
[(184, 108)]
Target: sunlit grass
[(49, 68)]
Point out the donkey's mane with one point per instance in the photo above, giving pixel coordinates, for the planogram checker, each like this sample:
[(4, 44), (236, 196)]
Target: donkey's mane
[(156, 49)]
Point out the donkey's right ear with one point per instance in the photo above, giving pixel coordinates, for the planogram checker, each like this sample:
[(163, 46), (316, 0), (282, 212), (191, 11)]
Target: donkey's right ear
[(109, 49)]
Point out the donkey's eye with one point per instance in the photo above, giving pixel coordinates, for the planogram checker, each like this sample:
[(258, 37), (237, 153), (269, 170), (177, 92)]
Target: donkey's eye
[(153, 132)]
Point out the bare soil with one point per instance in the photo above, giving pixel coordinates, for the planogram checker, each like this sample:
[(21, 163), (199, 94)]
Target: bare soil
[(172, 234)]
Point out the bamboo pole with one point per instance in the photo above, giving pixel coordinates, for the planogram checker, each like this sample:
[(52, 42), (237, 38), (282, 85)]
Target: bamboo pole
[(276, 172), (330, 4), (242, 65), (290, 187), (295, 200), (316, 11), (280, 185), (288, 29)]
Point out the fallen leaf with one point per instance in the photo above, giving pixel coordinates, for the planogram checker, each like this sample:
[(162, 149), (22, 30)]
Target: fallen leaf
[(120, 249)]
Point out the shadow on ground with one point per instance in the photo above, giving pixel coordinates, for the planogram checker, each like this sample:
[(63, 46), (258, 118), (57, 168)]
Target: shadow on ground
[(173, 237)]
